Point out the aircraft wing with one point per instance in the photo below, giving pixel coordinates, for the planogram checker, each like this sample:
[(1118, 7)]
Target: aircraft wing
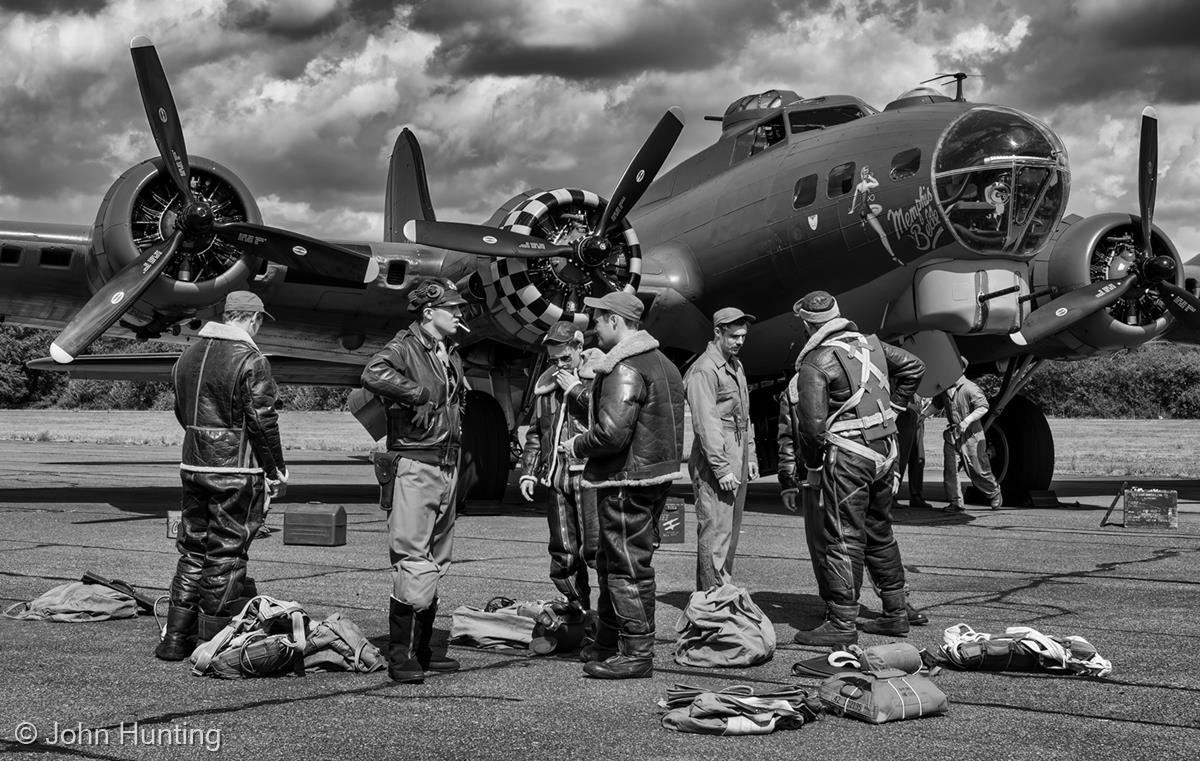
[(157, 367)]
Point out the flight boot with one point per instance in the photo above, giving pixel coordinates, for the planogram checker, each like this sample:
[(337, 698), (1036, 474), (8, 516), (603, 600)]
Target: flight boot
[(916, 617), (635, 659), (209, 626), (601, 646), (837, 631), (894, 620), (431, 659), (180, 638), (403, 637)]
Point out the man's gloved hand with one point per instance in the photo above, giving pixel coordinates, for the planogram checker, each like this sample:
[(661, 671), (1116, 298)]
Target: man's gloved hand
[(728, 482), (789, 498), (423, 415), (526, 487), (277, 486), (895, 482)]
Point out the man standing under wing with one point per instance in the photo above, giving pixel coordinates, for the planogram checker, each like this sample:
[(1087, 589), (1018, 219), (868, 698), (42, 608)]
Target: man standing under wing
[(420, 377), (633, 451), (572, 515), (723, 459), (232, 459), (837, 418)]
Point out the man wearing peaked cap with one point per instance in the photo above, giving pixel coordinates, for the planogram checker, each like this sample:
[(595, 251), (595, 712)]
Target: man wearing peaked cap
[(419, 376), (632, 450), (723, 458), (838, 419), (556, 419), (232, 463)]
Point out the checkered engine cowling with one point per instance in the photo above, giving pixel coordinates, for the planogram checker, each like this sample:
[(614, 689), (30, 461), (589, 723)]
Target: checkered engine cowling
[(527, 296)]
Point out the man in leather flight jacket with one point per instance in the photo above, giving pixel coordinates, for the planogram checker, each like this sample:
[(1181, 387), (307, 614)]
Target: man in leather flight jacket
[(633, 451), (232, 460), (837, 419), (419, 376), (574, 530)]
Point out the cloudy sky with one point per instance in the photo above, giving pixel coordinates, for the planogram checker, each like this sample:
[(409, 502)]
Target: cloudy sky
[(304, 98)]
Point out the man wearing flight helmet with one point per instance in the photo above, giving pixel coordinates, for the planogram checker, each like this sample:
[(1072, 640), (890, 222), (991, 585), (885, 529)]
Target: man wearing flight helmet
[(419, 377)]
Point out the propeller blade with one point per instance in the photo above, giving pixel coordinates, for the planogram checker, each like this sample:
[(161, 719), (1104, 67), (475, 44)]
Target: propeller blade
[(299, 252), (1070, 308), (1147, 173), (1181, 303), (161, 113), (642, 170), (480, 240), (112, 300)]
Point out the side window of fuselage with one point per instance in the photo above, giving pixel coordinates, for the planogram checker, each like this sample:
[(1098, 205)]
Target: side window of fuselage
[(905, 164), (841, 180), (805, 191)]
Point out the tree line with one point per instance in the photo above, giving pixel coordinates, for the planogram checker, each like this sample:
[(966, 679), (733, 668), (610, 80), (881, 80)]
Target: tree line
[(1153, 381)]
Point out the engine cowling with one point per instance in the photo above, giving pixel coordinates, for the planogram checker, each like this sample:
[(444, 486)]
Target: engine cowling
[(140, 210), (524, 297), (1091, 250)]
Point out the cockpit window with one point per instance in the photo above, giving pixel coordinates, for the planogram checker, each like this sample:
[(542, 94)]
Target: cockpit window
[(758, 138), (820, 118), (1001, 179)]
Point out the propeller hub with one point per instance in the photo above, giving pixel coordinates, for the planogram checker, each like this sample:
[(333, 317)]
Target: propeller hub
[(1160, 269), (196, 218), (593, 251)]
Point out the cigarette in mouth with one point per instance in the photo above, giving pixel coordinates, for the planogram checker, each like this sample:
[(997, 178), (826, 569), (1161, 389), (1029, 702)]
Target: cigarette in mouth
[(463, 327)]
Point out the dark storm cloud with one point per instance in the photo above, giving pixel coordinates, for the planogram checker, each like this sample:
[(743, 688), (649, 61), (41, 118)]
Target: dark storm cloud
[(653, 37), (50, 7), (1072, 56), (258, 16)]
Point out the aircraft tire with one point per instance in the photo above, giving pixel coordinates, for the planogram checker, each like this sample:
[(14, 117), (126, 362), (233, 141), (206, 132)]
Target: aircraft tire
[(486, 452), (1021, 445)]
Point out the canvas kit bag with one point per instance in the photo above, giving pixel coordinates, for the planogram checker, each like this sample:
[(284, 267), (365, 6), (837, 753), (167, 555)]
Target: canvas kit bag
[(504, 624), (722, 627), (75, 602), (270, 637)]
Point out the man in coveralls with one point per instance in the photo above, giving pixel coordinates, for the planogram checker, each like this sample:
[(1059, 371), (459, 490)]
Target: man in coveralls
[(837, 419), (723, 459), (574, 531), (232, 459), (633, 450), (419, 376)]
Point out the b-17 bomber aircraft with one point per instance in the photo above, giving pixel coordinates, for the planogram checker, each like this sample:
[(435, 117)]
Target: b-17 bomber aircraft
[(938, 223)]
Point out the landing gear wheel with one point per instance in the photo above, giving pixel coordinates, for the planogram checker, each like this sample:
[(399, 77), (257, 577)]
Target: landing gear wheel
[(1021, 449), (486, 454)]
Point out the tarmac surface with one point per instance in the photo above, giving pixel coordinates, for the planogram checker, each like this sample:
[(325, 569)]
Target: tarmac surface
[(94, 691)]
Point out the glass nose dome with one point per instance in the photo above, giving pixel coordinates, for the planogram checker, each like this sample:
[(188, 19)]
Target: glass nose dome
[(1001, 180)]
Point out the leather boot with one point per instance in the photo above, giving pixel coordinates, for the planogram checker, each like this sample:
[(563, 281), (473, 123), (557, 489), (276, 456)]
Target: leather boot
[(635, 659), (838, 629), (430, 659), (209, 626), (894, 620), (601, 646), (916, 617), (180, 639), (403, 636)]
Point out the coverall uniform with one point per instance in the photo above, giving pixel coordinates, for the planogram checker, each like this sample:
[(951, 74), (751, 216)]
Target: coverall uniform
[(723, 444)]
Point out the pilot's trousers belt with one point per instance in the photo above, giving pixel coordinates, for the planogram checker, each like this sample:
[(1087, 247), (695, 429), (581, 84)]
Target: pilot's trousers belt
[(444, 456)]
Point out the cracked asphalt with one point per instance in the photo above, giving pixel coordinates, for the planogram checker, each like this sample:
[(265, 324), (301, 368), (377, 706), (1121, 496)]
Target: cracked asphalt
[(95, 691)]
